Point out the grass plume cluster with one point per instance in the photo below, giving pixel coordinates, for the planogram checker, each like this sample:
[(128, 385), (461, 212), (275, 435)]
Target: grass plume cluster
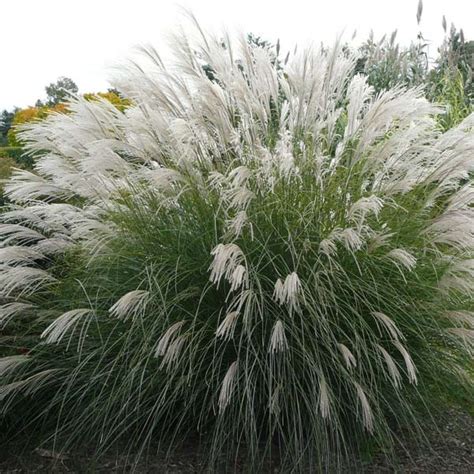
[(277, 258)]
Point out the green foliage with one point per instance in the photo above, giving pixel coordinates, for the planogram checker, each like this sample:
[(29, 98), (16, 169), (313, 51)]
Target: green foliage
[(450, 82), (6, 119), (113, 96), (388, 64), (6, 165), (60, 91), (450, 91)]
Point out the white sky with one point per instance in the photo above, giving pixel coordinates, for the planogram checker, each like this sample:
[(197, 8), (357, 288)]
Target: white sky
[(45, 39)]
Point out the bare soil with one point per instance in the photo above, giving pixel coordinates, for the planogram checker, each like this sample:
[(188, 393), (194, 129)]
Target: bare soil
[(448, 450)]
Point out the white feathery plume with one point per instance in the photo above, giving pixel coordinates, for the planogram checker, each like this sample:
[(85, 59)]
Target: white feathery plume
[(226, 259), (14, 255), (460, 317), (379, 239), (217, 180), (19, 234), (167, 338), (238, 278), (367, 415), (350, 238), (365, 206), (52, 246), (324, 401), (467, 335), (239, 198), (459, 276), (288, 292), (463, 199), (22, 280), (388, 324), (11, 362), (455, 161), (358, 93), (349, 358), (48, 218), (29, 385), (237, 224), (395, 105), (56, 331), (130, 305), (228, 386), (226, 328), (10, 310), (25, 186), (173, 352), (93, 233), (391, 365), (278, 342), (327, 247), (411, 369), (402, 257), (284, 156), (454, 228), (111, 164), (164, 178), (239, 176)]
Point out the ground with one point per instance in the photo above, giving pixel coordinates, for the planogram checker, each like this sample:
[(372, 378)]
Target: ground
[(449, 450)]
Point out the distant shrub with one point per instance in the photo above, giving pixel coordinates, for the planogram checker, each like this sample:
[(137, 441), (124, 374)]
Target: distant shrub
[(6, 165), (17, 154), (448, 80)]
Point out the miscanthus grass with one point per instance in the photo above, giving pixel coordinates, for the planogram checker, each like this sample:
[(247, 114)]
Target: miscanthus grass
[(273, 256)]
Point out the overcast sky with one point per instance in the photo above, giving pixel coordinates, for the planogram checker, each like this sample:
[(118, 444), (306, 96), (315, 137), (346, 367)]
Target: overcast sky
[(45, 39)]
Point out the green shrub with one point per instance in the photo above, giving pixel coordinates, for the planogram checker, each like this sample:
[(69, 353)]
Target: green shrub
[(6, 165), (278, 259), (17, 154), (448, 81)]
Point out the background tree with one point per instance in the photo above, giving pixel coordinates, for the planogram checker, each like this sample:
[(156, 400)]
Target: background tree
[(60, 90), (6, 119), (112, 95), (29, 114)]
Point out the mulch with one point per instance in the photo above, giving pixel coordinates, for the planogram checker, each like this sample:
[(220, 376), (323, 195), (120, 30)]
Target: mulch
[(447, 450)]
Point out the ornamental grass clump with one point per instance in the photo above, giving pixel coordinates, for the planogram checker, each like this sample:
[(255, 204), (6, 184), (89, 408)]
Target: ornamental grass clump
[(271, 256)]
